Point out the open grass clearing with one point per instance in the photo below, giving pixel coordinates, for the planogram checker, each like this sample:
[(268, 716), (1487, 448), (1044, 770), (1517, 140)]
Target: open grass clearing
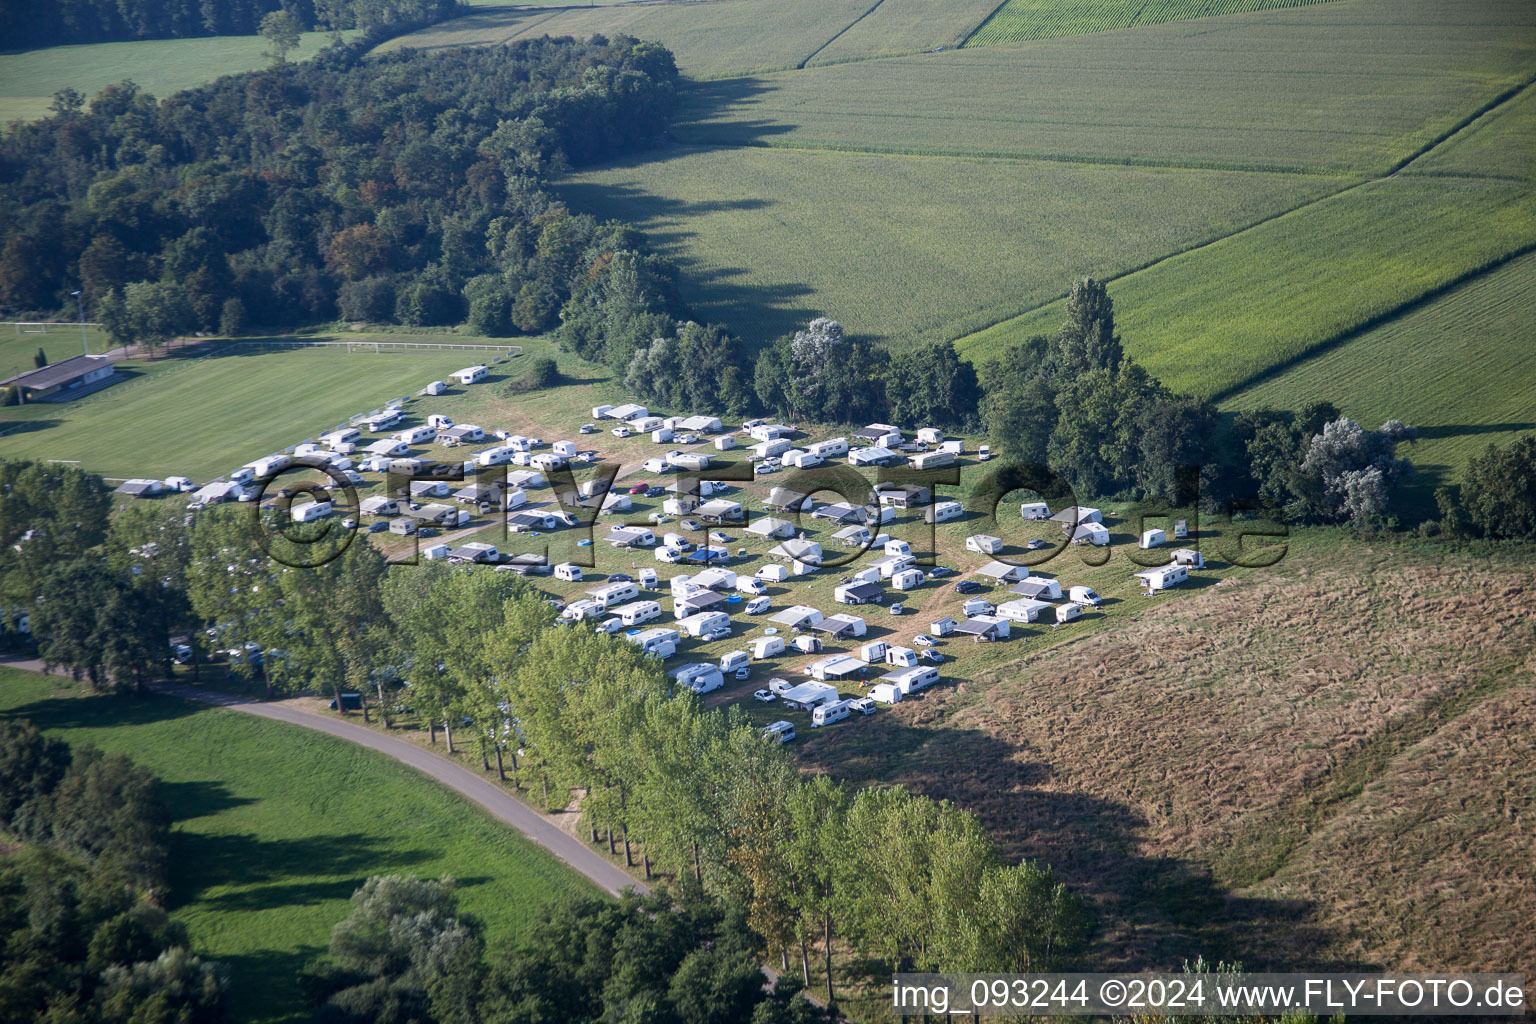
[(62, 341), (203, 417), (275, 826), (1461, 368), (1021, 20), (1214, 319), (910, 248), (160, 67), (1349, 88)]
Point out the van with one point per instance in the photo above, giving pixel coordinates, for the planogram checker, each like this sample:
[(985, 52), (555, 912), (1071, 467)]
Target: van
[(700, 678), (767, 647), (983, 453), (836, 711), (757, 606), (568, 571), (1083, 595), (782, 732), (749, 585), (885, 693), (733, 660), (807, 644), (310, 511), (437, 421)]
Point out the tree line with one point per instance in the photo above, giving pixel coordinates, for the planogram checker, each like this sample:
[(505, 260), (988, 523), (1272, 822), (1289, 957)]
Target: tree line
[(84, 936), (32, 23), (406, 187)]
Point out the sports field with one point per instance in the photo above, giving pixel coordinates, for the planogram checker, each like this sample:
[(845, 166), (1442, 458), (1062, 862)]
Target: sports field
[(770, 238), (158, 66), (275, 826), (203, 417), (19, 347), (1020, 20)]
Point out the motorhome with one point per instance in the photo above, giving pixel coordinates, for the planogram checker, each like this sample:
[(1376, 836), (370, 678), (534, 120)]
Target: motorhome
[(911, 680), (836, 711), (661, 642), (611, 595), (383, 420), (700, 623), (310, 511), (636, 612)]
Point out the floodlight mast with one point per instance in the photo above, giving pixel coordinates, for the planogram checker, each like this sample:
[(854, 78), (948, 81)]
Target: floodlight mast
[(80, 302)]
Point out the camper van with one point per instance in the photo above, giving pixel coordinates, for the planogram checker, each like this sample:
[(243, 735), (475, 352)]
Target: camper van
[(829, 713), (767, 647), (660, 642), (568, 571), (885, 693), (383, 420), (699, 677), (807, 644), (732, 661), (242, 476), (911, 680), (1084, 595), (983, 453), (782, 732), (310, 511), (703, 623)]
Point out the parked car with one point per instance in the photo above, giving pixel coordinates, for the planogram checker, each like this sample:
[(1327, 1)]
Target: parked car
[(743, 672), (938, 572), (610, 626), (689, 524), (715, 634), (897, 608), (657, 518), (639, 489), (378, 526), (967, 587), (763, 469), (587, 428), (933, 656), (1037, 544), (924, 640), (349, 523), (716, 537), (621, 577), (765, 696), (655, 491), (686, 438)]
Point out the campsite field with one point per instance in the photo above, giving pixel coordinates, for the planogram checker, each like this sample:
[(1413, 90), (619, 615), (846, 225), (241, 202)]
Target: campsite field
[(275, 826), (1020, 20), (203, 417), (158, 66)]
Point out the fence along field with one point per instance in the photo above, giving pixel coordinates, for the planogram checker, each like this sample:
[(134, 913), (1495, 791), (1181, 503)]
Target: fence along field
[(1020, 20)]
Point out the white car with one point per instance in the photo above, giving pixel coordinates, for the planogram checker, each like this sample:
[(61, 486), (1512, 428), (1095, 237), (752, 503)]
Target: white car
[(686, 438), (658, 518), (610, 626), (587, 428), (757, 606), (717, 537), (933, 656), (765, 696), (763, 469), (897, 609), (621, 432), (924, 640)]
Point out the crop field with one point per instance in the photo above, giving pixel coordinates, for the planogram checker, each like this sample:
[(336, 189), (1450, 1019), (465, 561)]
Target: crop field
[(158, 66), (1275, 738), (1240, 95), (1022, 20), (1217, 318), (1461, 368), (207, 416), (906, 26), (275, 826), (709, 40), (1497, 145), (768, 239)]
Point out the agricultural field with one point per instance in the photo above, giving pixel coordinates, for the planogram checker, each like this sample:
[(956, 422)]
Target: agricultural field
[(1497, 145), (213, 414), (1241, 95), (710, 40), (1216, 319), (1268, 769), (275, 826), (895, 27), (1463, 370), (768, 239), (1021, 20), (158, 66)]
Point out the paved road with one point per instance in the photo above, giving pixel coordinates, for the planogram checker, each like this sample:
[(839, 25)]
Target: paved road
[(575, 854)]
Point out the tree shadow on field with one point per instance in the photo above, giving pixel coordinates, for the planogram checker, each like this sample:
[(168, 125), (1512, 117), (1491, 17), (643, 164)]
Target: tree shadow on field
[(258, 873), (101, 711), (1148, 911)]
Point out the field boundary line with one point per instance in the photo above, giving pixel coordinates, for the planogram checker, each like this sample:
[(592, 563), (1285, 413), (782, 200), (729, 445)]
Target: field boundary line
[(1481, 112), (962, 44), (1402, 309), (393, 346), (837, 35)]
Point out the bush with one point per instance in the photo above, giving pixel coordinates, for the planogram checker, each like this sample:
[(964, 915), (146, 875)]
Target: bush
[(542, 372)]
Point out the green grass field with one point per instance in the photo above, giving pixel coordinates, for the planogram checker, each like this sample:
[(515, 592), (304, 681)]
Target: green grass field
[(906, 26), (1461, 367), (1021, 20), (771, 238), (275, 826), (203, 417), (159, 66), (1215, 319), (1244, 93), (1499, 145), (709, 40), (61, 342)]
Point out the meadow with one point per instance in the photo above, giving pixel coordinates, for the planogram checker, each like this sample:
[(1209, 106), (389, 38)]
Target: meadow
[(275, 826), (159, 67), (1020, 20), (18, 347), (1462, 369), (203, 417), (1499, 144), (1216, 319), (768, 239), (895, 27), (709, 40)]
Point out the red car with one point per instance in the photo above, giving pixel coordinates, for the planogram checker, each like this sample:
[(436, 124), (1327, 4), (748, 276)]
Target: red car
[(639, 489)]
